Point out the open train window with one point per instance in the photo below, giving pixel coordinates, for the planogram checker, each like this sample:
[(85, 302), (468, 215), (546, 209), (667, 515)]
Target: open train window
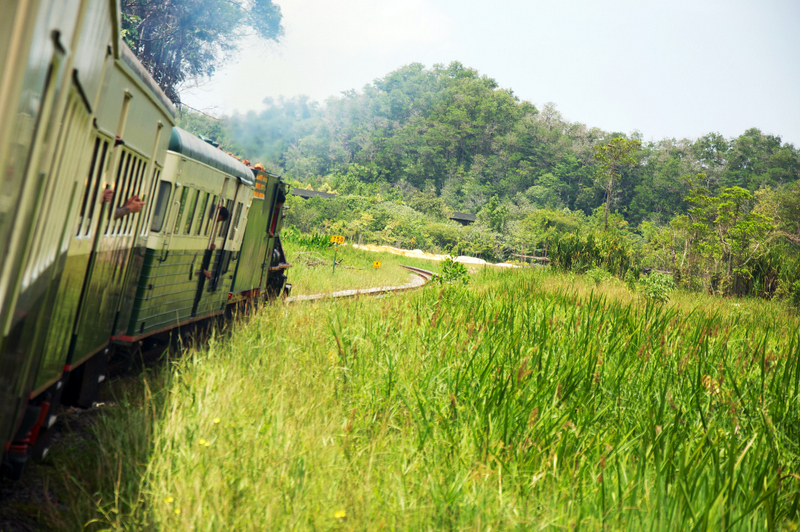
[(93, 182), (202, 211), (191, 211), (210, 214), (237, 218), (119, 185), (164, 190), (184, 197), (149, 203), (137, 191), (224, 226)]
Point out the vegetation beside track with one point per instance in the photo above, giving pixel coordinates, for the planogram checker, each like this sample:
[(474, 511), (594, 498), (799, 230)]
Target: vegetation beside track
[(526, 398), (312, 268)]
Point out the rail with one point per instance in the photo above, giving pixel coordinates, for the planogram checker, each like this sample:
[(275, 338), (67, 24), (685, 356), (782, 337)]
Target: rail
[(422, 278)]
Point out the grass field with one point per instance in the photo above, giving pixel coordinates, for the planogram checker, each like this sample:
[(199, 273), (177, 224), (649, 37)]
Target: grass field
[(312, 269), (526, 400)]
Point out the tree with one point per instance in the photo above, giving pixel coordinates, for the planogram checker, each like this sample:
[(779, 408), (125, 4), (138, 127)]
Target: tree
[(613, 156), (178, 40), (727, 231), (495, 214)]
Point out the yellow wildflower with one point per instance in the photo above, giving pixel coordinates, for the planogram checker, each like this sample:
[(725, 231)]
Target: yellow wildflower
[(216, 420), (202, 441), (169, 500), (340, 514), (177, 511)]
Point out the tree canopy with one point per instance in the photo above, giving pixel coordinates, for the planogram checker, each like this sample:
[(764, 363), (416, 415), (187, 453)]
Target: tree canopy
[(180, 40)]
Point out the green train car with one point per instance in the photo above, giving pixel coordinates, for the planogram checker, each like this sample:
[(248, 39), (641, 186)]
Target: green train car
[(89, 271)]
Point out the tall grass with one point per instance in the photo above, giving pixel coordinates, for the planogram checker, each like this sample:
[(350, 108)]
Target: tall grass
[(522, 401)]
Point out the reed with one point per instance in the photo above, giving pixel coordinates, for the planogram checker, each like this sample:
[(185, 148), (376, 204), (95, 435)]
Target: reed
[(524, 400)]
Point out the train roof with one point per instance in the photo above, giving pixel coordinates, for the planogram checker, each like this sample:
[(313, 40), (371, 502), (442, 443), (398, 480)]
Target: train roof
[(187, 144)]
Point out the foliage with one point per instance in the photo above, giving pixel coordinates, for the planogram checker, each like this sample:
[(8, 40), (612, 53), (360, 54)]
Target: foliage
[(630, 280), (310, 241), (597, 275), (209, 127), (613, 156), (452, 272), (657, 286), (582, 251), (179, 40)]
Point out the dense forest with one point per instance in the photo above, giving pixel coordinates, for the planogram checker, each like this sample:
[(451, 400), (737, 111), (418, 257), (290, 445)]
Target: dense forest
[(408, 149)]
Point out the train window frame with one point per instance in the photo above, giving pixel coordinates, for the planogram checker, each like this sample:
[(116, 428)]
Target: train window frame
[(116, 201), (137, 191), (237, 219), (88, 184), (212, 207), (161, 203), (184, 196), (225, 226), (149, 203), (190, 214), (98, 171), (133, 190), (202, 211)]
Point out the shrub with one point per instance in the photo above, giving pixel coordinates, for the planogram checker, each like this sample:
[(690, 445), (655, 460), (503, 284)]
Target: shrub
[(657, 287), (452, 272), (598, 275)]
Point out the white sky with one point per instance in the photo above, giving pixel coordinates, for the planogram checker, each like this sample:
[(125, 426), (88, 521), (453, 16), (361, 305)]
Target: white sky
[(668, 68)]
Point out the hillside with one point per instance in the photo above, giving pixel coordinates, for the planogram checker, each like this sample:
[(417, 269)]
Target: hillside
[(420, 143)]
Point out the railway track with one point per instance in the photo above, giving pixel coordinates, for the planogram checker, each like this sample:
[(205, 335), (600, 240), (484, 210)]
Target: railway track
[(421, 279)]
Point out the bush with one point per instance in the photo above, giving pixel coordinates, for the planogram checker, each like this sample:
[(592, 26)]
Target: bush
[(657, 287), (630, 280), (598, 275), (310, 241), (452, 272)]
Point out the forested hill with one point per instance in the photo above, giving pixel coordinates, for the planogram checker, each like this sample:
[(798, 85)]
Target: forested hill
[(453, 131)]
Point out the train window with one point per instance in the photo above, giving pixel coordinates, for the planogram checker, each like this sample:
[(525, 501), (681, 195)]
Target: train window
[(184, 196), (202, 211), (132, 190), (209, 220), (96, 177), (89, 182), (190, 212), (137, 190), (224, 226), (116, 202), (164, 189), (237, 218), (149, 203)]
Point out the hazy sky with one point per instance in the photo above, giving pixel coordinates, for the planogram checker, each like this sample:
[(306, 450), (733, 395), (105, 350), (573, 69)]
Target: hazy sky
[(668, 68)]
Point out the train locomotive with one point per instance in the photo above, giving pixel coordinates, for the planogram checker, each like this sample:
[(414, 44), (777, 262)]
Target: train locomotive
[(86, 135)]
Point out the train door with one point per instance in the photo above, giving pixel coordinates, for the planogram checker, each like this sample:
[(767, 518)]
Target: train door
[(215, 226)]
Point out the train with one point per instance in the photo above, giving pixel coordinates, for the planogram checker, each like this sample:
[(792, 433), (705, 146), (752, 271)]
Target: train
[(116, 226)]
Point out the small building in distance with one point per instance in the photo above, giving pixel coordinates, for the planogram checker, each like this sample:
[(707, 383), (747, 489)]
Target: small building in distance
[(463, 218), (306, 194)]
